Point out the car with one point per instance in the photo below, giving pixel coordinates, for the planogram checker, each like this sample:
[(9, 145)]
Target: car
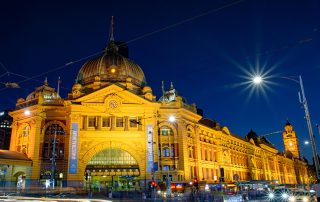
[(281, 194), (301, 195)]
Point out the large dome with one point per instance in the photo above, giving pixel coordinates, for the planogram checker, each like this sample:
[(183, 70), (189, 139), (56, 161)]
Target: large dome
[(111, 66)]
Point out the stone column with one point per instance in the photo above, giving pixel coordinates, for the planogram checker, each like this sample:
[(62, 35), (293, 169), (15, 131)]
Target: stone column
[(84, 122), (98, 123), (126, 123), (198, 152), (113, 123), (34, 147), (140, 123)]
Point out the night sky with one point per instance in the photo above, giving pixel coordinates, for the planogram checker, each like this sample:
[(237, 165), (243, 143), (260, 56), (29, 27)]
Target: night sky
[(207, 49)]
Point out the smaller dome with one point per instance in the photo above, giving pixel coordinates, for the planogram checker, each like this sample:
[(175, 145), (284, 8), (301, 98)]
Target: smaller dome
[(45, 90)]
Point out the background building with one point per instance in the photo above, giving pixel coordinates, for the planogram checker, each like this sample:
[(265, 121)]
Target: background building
[(5, 129), (111, 131)]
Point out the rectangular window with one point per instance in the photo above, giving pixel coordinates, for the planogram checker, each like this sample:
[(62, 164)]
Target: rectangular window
[(166, 167), (172, 150), (91, 121), (166, 131), (133, 122), (106, 121), (119, 122)]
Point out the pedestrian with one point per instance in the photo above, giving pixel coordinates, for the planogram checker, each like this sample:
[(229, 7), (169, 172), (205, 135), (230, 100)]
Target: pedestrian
[(316, 188), (144, 196)]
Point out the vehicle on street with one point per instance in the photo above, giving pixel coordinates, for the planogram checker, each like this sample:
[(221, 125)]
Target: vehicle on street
[(279, 195), (301, 195)]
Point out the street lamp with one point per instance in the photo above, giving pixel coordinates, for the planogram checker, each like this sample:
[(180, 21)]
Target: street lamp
[(172, 119), (257, 80), (303, 100)]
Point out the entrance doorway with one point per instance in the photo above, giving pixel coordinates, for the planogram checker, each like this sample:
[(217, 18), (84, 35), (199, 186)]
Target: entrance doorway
[(21, 181), (112, 169)]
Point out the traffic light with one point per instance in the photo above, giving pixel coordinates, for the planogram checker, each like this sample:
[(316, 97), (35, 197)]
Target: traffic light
[(153, 184), (195, 182)]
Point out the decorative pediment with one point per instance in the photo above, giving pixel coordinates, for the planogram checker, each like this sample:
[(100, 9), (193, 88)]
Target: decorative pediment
[(112, 99)]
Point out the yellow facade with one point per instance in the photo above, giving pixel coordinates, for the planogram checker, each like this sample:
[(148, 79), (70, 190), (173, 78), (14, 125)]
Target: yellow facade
[(102, 130)]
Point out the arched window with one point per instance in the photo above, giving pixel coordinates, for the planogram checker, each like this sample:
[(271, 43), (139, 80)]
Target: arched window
[(189, 133), (52, 131), (23, 139)]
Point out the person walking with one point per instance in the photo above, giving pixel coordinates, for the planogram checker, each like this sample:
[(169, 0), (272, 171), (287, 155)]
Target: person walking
[(316, 188)]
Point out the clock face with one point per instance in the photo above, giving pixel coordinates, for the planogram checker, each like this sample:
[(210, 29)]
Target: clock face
[(113, 104)]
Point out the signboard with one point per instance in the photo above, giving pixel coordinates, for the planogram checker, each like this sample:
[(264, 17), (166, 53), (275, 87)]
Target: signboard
[(73, 161), (150, 160)]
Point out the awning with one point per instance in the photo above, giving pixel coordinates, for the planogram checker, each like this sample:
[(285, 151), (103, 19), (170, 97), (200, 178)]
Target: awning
[(14, 158)]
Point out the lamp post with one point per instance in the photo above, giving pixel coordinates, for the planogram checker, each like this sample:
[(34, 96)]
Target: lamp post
[(303, 100), (171, 119), (151, 141), (53, 158)]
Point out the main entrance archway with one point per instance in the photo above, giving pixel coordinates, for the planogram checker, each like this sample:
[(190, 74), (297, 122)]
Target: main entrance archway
[(112, 168)]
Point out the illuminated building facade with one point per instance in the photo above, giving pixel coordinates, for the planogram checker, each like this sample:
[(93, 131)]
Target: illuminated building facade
[(111, 131), (290, 140)]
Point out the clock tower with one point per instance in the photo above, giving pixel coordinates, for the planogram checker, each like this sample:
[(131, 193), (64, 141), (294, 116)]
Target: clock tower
[(290, 140)]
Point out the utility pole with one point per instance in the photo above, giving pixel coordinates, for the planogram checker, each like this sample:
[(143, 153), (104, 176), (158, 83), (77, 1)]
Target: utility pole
[(303, 101), (53, 158)]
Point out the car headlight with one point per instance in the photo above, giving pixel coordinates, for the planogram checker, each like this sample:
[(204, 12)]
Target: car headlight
[(271, 195), (305, 199), (284, 195), (292, 198)]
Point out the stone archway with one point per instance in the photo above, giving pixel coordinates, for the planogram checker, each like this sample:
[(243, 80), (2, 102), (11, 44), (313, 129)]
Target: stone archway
[(113, 164)]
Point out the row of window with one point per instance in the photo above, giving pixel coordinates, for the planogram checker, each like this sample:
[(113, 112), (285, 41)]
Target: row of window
[(165, 131), (106, 122), (209, 154), (239, 159)]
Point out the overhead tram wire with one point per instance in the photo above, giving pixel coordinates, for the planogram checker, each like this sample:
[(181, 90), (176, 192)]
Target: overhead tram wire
[(28, 78), (185, 21), (138, 38)]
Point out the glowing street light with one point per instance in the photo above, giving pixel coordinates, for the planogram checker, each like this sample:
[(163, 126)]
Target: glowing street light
[(306, 142), (258, 80), (172, 119), (27, 112)]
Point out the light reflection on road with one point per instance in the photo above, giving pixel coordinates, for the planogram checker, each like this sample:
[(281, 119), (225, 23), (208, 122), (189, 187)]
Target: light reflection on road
[(34, 199)]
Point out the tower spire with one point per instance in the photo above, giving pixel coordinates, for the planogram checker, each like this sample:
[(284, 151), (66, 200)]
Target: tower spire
[(162, 88), (45, 81), (171, 86), (58, 91), (112, 29)]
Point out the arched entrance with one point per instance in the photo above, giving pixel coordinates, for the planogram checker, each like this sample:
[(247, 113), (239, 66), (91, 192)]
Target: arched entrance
[(112, 169)]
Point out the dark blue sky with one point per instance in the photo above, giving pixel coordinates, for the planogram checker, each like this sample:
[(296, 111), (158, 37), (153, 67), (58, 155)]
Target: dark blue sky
[(206, 58)]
